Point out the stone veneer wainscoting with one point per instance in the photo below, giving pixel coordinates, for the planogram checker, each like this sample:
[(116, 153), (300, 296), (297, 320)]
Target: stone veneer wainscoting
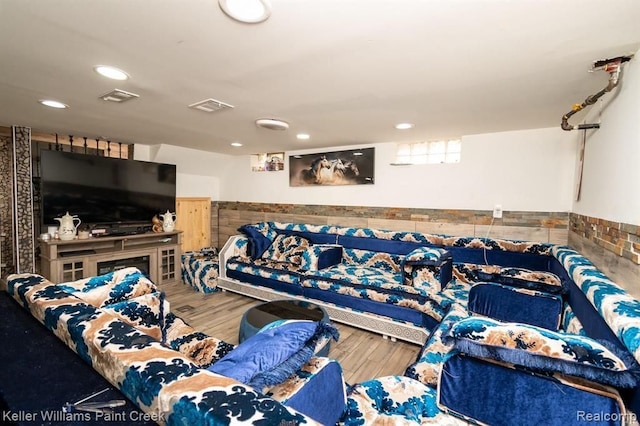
[(533, 226), (614, 247)]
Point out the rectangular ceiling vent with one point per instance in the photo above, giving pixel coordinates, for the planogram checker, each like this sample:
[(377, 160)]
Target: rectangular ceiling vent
[(210, 105), (117, 95)]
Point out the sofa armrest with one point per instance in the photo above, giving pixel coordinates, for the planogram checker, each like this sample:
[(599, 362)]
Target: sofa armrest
[(429, 267), (321, 256), (236, 245), (317, 390), (544, 350)]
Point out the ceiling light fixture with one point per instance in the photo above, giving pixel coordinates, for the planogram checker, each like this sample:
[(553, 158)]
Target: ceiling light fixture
[(236, 144), (111, 72), (247, 11), (272, 124), (303, 136), (404, 126), (53, 104)]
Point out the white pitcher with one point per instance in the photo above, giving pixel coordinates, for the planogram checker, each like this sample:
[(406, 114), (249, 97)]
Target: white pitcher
[(168, 221), (67, 230)]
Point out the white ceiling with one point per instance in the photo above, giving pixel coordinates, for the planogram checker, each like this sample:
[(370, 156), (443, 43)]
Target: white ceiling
[(344, 71)]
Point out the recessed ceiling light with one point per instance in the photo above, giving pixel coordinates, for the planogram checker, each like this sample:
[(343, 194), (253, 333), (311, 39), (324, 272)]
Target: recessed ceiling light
[(303, 136), (236, 144), (247, 11), (53, 104), (111, 72), (404, 126)]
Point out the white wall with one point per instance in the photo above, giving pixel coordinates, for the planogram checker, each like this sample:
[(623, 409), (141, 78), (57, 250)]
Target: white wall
[(529, 170), (198, 172), (611, 174), (522, 170)]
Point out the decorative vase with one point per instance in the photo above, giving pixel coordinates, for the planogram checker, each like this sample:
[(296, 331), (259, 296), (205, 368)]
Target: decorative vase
[(168, 221)]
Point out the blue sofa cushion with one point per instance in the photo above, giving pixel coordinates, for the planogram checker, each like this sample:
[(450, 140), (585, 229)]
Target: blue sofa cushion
[(519, 396), (512, 304), (274, 353), (260, 237), (321, 256), (520, 277), (545, 350)]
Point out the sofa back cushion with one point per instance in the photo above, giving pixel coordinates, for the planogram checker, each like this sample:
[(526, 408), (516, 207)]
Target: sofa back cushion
[(260, 236), (388, 262), (512, 304), (117, 286), (146, 313), (287, 248), (520, 277)]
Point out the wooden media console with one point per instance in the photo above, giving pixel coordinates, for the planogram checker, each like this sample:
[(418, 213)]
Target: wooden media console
[(157, 254)]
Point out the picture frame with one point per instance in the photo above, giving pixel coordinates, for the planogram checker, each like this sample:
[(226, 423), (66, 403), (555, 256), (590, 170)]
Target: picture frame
[(333, 168), (267, 162)]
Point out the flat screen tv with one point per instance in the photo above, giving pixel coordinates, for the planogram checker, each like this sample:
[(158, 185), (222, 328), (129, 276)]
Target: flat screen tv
[(104, 190)]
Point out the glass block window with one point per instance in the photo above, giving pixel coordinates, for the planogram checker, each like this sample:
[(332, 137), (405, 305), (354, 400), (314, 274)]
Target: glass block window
[(432, 152)]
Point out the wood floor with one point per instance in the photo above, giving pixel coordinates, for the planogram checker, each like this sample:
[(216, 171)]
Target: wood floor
[(363, 355)]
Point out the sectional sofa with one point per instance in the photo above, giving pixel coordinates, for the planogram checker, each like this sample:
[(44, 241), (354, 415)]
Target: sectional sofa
[(399, 284), (121, 325), (568, 352), (512, 332)]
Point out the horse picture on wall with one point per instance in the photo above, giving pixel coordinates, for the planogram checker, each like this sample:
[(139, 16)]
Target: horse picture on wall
[(349, 167)]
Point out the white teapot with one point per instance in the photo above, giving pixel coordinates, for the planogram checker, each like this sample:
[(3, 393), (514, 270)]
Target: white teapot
[(168, 221), (67, 229)]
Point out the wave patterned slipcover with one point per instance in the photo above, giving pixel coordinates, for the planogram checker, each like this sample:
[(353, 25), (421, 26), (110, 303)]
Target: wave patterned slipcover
[(200, 269), (394, 400), (166, 383), (619, 310)]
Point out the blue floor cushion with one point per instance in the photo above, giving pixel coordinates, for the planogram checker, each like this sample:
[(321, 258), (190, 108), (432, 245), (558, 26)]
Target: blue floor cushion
[(274, 353)]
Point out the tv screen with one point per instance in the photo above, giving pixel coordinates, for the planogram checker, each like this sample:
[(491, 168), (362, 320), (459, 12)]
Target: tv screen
[(103, 190)]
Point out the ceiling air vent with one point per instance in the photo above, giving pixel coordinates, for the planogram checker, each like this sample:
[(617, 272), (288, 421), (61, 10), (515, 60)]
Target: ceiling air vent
[(210, 105), (117, 95)]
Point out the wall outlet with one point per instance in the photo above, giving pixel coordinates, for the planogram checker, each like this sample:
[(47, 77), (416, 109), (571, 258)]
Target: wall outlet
[(497, 211)]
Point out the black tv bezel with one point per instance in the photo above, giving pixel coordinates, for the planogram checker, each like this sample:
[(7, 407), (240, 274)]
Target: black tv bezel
[(44, 181)]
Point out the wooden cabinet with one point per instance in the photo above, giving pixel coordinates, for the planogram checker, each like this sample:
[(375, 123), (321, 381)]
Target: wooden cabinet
[(194, 220), (156, 253)]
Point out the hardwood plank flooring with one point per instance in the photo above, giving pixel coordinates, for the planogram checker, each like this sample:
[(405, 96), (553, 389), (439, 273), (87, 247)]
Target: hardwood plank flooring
[(363, 355)]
